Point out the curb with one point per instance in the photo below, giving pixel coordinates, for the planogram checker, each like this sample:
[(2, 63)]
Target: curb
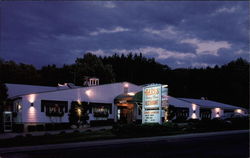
[(115, 141)]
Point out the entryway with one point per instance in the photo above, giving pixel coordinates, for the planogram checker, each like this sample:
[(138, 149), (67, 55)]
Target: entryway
[(7, 121), (124, 108)]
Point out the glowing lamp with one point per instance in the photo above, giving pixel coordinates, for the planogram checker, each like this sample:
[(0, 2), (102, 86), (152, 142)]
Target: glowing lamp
[(79, 101), (89, 93), (131, 94), (31, 104), (126, 85), (194, 116), (31, 98), (239, 111), (194, 106), (79, 111)]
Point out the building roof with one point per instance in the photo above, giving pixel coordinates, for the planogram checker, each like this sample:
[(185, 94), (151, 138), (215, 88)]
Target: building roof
[(18, 90), (178, 102), (209, 103), (171, 100), (22, 89)]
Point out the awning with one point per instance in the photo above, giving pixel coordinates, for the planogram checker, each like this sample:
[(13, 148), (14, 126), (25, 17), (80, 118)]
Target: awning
[(123, 98)]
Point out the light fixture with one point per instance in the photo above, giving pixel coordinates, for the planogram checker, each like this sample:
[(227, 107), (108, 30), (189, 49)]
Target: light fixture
[(79, 111), (131, 93), (31, 104), (194, 111), (165, 86), (126, 85)]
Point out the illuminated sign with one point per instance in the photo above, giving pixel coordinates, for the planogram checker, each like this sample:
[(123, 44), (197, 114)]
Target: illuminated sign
[(151, 116), (154, 97)]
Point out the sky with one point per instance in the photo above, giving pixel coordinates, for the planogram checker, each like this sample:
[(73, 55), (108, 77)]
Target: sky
[(178, 34)]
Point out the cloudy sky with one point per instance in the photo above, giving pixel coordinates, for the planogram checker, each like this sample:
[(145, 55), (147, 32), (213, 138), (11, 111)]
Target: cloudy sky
[(179, 34)]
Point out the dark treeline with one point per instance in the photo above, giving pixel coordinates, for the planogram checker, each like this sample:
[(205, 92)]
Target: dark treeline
[(228, 83)]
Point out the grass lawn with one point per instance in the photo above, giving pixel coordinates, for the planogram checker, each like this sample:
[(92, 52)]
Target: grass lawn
[(29, 140), (125, 131)]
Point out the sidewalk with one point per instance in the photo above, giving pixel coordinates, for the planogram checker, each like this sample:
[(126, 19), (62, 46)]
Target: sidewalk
[(12, 135), (115, 141)]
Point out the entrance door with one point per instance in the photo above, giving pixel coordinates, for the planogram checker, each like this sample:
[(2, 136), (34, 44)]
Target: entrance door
[(7, 121), (124, 115)]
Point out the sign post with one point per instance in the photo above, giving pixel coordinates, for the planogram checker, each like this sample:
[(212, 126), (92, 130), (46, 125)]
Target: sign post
[(154, 97)]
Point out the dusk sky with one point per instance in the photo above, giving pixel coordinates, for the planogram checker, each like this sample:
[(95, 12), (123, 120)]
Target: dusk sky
[(179, 34)]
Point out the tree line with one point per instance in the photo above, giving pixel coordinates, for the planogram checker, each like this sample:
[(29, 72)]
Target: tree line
[(228, 83)]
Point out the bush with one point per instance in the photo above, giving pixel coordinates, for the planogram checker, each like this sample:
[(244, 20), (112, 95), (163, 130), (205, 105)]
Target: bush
[(40, 127), (62, 133), (56, 126), (28, 135), (128, 130), (47, 134), (49, 127), (19, 136), (240, 122), (18, 128), (95, 123), (31, 128)]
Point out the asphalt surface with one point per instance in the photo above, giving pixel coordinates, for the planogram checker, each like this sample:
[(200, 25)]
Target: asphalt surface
[(230, 145)]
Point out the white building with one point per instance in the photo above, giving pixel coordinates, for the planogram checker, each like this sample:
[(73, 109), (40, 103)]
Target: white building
[(39, 105)]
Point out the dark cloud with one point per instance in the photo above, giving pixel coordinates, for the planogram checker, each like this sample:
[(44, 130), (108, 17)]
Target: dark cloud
[(42, 33)]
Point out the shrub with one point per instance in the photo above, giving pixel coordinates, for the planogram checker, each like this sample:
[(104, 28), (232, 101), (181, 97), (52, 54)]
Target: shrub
[(62, 132), (95, 123), (88, 130), (18, 128), (47, 134), (56, 126), (49, 127), (28, 135), (240, 122), (31, 128), (143, 129), (19, 136), (40, 127)]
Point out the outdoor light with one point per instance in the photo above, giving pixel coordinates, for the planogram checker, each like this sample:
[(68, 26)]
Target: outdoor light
[(239, 111), (31, 98), (79, 101), (89, 93), (165, 86), (79, 111), (194, 106), (126, 85), (31, 104), (131, 93), (194, 111)]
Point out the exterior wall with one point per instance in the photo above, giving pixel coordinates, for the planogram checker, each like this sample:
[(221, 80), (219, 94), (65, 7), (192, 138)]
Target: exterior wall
[(101, 94), (194, 112), (17, 111), (217, 113)]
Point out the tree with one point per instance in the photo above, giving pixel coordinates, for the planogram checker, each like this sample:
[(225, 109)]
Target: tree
[(91, 65), (78, 114), (3, 98)]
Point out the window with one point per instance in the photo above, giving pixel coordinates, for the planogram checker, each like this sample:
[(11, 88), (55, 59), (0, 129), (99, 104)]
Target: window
[(101, 109), (54, 108)]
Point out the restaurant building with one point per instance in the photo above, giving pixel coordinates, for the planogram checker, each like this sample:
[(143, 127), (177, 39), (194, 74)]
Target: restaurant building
[(108, 103)]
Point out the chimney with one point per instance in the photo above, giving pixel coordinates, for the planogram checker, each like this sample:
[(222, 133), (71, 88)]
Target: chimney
[(91, 81), (125, 88)]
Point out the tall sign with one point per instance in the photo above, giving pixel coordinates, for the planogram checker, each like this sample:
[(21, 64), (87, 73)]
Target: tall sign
[(154, 97)]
